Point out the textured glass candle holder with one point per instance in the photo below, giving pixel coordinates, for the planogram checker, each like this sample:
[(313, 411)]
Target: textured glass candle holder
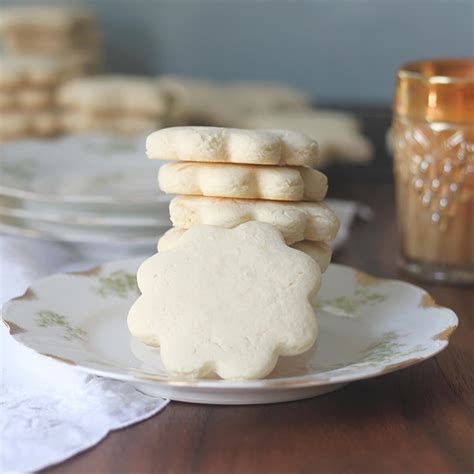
[(433, 140)]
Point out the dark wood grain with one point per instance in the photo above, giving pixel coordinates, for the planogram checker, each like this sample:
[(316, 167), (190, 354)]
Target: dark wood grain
[(418, 420)]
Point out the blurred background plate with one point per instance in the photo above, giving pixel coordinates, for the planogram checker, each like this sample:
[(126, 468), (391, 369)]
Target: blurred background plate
[(143, 216), (43, 230), (95, 188), (84, 170)]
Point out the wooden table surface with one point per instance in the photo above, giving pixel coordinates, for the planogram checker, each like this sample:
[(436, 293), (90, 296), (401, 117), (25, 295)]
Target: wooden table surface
[(417, 420)]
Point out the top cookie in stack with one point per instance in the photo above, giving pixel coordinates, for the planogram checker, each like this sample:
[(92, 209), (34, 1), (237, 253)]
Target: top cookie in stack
[(67, 34), (228, 176)]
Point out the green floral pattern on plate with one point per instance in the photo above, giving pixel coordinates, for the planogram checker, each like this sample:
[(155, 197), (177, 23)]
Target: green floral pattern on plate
[(388, 348), (385, 350), (118, 283), (46, 318), (350, 306)]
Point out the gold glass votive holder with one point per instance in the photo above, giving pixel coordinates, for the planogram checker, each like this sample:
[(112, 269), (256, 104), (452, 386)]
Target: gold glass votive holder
[(433, 141)]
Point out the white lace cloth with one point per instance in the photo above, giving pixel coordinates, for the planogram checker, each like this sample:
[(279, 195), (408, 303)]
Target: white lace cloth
[(43, 424), (49, 411)]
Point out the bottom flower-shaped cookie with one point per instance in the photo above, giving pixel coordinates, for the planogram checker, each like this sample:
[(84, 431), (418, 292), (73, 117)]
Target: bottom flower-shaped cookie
[(227, 301)]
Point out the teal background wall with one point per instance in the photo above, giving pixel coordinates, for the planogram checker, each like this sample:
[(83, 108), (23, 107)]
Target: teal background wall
[(339, 50)]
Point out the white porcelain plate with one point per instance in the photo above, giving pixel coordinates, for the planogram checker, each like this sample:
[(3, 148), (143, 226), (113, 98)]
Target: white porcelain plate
[(369, 327), (81, 169), (43, 230)]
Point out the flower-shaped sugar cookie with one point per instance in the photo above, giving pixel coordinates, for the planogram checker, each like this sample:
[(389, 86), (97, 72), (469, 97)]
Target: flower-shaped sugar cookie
[(227, 301)]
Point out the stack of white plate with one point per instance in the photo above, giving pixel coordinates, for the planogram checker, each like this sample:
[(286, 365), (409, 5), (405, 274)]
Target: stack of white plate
[(88, 189)]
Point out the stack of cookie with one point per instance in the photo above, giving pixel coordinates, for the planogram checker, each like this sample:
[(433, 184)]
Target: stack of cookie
[(27, 95), (111, 103), (225, 177), (68, 35)]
